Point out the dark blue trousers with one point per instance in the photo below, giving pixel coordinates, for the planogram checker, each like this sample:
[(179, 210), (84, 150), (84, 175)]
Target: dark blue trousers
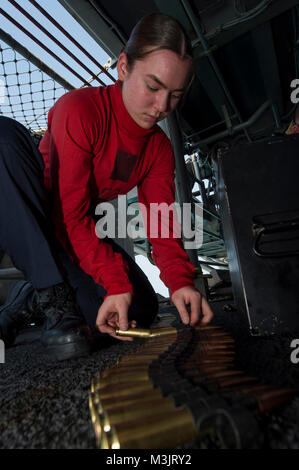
[(27, 234)]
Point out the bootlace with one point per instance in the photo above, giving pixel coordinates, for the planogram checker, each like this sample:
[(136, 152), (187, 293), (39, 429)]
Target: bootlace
[(64, 297)]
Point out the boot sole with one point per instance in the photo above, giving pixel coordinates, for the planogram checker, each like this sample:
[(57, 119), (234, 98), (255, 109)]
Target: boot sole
[(71, 350)]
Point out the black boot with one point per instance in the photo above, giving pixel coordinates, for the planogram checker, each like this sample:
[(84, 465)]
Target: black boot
[(19, 310), (65, 334)]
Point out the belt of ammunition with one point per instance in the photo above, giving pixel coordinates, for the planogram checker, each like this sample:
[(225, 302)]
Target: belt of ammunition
[(177, 388)]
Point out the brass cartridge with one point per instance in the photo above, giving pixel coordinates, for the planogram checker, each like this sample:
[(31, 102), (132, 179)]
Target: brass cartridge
[(236, 381), (145, 353), (205, 363), (136, 377), (117, 391), (213, 340), (209, 360), (145, 359), (134, 332), (213, 358), (153, 347), (165, 331), (272, 399), (251, 389), (213, 337), (133, 398), (207, 328), (223, 374), (208, 368), (123, 368), (211, 352), (205, 346), (170, 430), (136, 411), (95, 420), (144, 333), (139, 405)]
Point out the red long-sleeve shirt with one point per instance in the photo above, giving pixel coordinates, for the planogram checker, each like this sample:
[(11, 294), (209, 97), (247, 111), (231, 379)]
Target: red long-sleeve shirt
[(94, 151)]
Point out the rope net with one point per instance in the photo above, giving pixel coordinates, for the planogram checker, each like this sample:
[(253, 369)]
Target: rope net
[(26, 93)]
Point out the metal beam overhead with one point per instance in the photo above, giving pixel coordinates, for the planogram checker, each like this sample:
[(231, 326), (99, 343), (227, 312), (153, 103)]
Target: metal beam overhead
[(93, 23), (220, 36)]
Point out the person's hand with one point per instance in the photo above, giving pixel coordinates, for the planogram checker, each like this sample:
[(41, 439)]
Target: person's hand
[(113, 314), (198, 303)]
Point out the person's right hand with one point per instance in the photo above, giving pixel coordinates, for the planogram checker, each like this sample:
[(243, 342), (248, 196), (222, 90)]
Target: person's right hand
[(113, 314)]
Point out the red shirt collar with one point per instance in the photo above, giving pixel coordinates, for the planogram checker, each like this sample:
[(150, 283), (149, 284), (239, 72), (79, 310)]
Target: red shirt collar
[(125, 121)]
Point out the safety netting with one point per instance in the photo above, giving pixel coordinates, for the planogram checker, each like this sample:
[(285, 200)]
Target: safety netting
[(27, 93)]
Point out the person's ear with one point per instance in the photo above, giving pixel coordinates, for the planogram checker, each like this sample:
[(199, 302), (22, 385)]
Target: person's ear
[(122, 66)]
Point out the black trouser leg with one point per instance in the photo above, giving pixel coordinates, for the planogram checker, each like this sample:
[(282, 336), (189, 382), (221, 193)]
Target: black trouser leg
[(89, 295), (26, 232)]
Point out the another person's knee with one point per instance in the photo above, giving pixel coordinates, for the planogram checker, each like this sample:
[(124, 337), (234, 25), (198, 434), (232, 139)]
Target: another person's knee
[(10, 135), (17, 145), (10, 129)]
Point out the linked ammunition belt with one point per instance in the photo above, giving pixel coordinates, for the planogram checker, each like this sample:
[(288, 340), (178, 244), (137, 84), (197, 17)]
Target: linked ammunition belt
[(179, 389)]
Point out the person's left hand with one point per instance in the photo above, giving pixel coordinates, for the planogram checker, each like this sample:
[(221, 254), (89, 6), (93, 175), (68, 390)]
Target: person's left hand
[(198, 303)]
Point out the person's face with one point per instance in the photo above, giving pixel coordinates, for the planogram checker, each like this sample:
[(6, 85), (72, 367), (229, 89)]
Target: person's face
[(154, 86)]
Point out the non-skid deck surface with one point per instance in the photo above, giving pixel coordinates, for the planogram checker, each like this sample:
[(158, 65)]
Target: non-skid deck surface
[(44, 404)]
